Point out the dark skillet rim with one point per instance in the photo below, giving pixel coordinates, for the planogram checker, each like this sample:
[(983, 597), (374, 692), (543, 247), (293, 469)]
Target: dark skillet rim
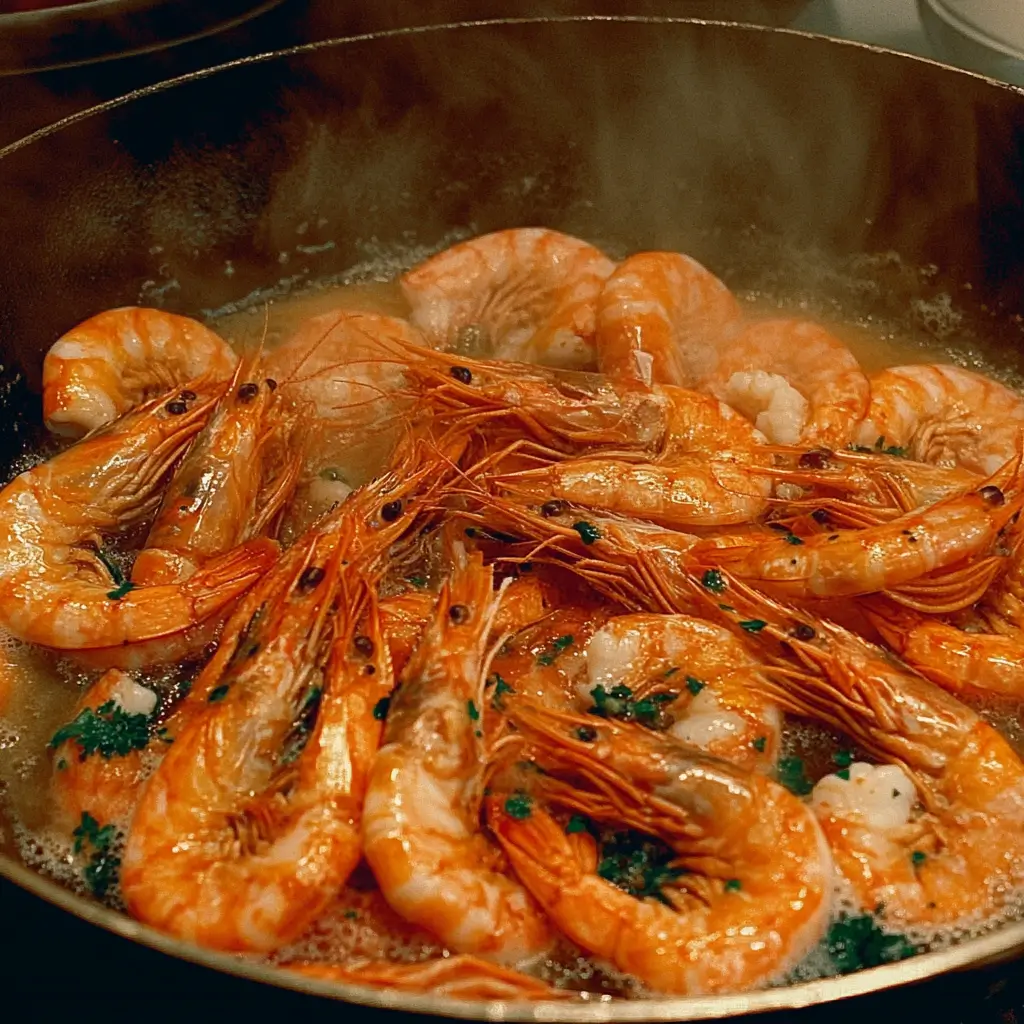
[(1001, 943)]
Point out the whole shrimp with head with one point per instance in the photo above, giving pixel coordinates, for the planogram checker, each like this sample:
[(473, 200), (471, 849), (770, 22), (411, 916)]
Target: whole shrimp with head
[(752, 873), (933, 832), (59, 588), (250, 826), (527, 294), (121, 358), (422, 833)]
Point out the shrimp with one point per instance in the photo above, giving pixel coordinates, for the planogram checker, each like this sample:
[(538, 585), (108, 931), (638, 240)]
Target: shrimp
[(946, 415), (960, 661), (527, 294), (420, 822), (794, 379), (57, 587), (103, 778), (957, 855), (659, 316), (215, 500), (705, 677), (250, 826), (755, 886), (454, 977), (121, 358), (881, 558)]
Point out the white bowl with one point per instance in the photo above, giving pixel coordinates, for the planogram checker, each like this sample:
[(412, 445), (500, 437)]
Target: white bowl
[(986, 36)]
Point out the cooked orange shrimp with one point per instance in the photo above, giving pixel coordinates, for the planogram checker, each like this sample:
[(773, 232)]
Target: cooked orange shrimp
[(960, 855), (709, 674), (121, 358), (216, 499), (57, 591), (103, 782), (250, 826), (958, 660), (454, 977), (527, 294), (755, 891), (794, 379), (421, 818), (946, 415), (880, 558), (660, 319)]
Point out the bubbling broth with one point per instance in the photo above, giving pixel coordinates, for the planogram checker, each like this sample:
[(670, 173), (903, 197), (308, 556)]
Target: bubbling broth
[(39, 689)]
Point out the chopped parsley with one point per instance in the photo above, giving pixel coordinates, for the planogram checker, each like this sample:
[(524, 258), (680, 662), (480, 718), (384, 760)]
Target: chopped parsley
[(500, 689), (753, 625), (792, 538), (790, 773), (555, 648), (109, 731), (918, 857), (855, 943), (417, 581), (843, 758), (759, 744), (122, 588), (640, 865), (472, 711), (844, 774), (587, 531), (619, 702), (733, 885), (519, 805), (714, 581), (100, 872), (694, 685), (577, 823), (380, 709)]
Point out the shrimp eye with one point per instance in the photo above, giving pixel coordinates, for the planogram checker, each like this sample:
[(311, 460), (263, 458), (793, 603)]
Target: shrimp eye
[(364, 645), (555, 507), (461, 374), (391, 511), (820, 516), (311, 578), (247, 392), (459, 614), (992, 495), (188, 396), (802, 631), (817, 458), (176, 408), (271, 383)]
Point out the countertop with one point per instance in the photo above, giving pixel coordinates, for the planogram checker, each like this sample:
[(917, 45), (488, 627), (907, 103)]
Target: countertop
[(58, 963)]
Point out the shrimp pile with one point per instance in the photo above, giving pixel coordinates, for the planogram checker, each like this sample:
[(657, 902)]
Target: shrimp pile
[(486, 630)]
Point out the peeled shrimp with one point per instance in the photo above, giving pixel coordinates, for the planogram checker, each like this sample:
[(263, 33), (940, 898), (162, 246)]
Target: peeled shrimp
[(946, 415), (122, 357), (526, 294), (956, 856), (56, 590), (660, 319), (795, 380), (249, 827), (454, 977), (717, 707), (420, 822), (754, 896)]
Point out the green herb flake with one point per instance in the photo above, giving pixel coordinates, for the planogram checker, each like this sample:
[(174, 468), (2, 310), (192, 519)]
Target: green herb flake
[(638, 864), (753, 625), (109, 731), (218, 693), (587, 531), (790, 773), (618, 702), (519, 805), (843, 758), (918, 857), (694, 685), (100, 872), (111, 566), (352, 915), (792, 538), (555, 648), (417, 581), (714, 581), (577, 823), (759, 744), (380, 709), (472, 711), (844, 774), (855, 943), (124, 588), (733, 885), (562, 642)]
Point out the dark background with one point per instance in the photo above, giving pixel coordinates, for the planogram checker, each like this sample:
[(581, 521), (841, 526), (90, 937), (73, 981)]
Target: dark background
[(61, 965)]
